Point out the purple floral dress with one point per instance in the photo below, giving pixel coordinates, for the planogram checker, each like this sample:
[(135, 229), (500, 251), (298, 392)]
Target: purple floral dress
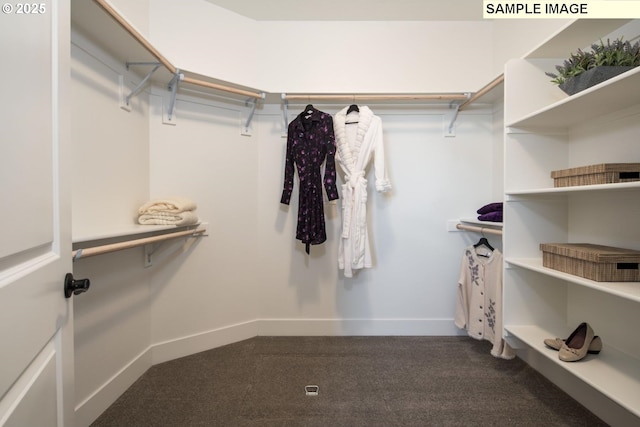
[(310, 140)]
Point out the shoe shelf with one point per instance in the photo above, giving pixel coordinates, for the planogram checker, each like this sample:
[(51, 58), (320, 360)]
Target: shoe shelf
[(614, 373), (626, 290)]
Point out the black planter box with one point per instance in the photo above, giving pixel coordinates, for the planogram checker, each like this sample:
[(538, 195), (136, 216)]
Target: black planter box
[(591, 78)]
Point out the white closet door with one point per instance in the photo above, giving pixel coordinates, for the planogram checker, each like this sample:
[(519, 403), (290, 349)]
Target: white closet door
[(36, 337)]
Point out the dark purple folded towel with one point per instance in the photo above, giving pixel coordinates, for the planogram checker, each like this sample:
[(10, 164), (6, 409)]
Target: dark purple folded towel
[(495, 216), (491, 207)]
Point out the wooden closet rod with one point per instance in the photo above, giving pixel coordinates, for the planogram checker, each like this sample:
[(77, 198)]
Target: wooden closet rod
[(479, 94), (164, 61), (479, 229), (113, 247), (374, 97)]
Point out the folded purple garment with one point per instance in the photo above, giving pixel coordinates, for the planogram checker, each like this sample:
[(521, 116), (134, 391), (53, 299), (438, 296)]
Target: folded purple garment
[(491, 207), (495, 216)]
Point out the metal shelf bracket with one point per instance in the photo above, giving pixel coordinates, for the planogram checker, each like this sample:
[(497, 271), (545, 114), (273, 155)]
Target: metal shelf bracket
[(285, 115), (452, 116), (138, 88), (246, 129), (173, 88)]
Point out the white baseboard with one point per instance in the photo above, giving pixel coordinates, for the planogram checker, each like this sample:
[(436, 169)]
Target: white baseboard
[(90, 409), (185, 346), (357, 327)]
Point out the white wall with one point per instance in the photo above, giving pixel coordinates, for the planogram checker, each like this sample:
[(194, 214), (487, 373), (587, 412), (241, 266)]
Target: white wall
[(399, 56), (110, 145), (323, 56), (200, 37), (205, 158), (515, 38), (497, 166), (374, 57), (411, 289), (110, 179), (251, 271)]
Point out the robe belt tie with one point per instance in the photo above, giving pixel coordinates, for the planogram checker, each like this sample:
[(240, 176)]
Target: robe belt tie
[(354, 178), (354, 196)]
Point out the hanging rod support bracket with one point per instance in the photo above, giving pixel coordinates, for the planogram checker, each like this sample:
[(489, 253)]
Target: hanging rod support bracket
[(285, 115), (451, 118), (246, 129), (454, 108), (144, 81), (130, 63), (152, 248), (173, 87)]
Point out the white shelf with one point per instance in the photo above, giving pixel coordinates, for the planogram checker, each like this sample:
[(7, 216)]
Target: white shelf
[(481, 223), (127, 237), (624, 186), (579, 33), (615, 94), (626, 290), (120, 231), (126, 232), (614, 373)]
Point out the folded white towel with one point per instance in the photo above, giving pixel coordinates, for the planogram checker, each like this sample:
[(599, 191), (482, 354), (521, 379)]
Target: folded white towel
[(167, 218), (172, 204)]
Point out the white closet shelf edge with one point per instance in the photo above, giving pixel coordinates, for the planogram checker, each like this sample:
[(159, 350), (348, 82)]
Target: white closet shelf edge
[(626, 290), (612, 372), (133, 231)]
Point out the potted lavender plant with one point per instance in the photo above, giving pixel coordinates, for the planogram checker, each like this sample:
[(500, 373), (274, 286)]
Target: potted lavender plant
[(584, 69)]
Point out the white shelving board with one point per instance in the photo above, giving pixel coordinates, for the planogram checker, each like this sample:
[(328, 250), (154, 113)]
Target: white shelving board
[(615, 94), (614, 373), (579, 33), (547, 130), (481, 223), (121, 231), (627, 290), (561, 191), (128, 232)]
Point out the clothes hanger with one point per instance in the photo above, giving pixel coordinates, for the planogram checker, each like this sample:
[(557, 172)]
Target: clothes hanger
[(484, 242), (308, 110), (352, 108)]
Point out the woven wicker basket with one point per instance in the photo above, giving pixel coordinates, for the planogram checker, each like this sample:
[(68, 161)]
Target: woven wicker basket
[(595, 262), (605, 173)]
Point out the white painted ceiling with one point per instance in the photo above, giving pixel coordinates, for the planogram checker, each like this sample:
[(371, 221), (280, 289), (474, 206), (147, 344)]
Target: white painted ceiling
[(355, 10)]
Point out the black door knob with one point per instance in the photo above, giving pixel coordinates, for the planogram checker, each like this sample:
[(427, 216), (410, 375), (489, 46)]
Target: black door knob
[(73, 286)]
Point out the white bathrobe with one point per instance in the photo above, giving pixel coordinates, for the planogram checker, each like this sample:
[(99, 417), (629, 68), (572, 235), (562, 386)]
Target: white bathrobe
[(356, 143)]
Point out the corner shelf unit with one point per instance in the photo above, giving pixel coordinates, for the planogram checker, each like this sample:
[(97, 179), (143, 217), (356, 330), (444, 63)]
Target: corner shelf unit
[(546, 130)]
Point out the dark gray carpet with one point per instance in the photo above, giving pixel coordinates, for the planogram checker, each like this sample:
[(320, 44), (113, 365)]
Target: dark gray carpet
[(363, 381)]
